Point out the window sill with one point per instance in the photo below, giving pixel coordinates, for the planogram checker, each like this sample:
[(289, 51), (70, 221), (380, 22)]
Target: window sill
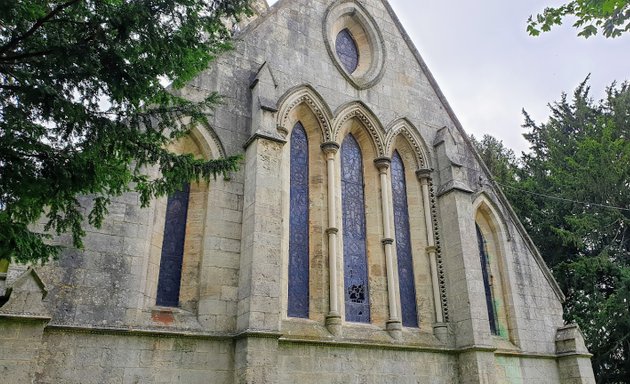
[(297, 329)]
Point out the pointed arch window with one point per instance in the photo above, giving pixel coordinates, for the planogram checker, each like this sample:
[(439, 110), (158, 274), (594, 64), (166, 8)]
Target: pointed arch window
[(403, 244), (298, 284), (170, 276), (354, 233), (487, 281)]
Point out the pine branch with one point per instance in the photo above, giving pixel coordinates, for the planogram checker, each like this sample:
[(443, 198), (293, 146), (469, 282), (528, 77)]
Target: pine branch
[(38, 24)]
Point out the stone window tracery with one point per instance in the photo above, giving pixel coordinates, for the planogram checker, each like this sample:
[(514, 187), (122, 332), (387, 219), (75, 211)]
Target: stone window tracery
[(356, 290), (298, 279)]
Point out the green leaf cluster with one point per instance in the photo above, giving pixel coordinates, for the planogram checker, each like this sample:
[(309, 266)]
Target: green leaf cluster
[(83, 111), (571, 190), (610, 17)]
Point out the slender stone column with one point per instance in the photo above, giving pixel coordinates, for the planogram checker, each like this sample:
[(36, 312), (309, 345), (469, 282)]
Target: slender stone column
[(423, 176), (394, 325), (333, 319)]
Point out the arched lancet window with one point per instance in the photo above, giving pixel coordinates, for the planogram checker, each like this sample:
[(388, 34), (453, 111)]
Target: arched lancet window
[(354, 236), (347, 50), (403, 244), (171, 260), (298, 284), (487, 281), (178, 235)]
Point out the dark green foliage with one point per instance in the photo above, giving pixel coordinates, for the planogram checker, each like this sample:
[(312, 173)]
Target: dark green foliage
[(500, 160), (610, 17), (572, 193), (82, 111)]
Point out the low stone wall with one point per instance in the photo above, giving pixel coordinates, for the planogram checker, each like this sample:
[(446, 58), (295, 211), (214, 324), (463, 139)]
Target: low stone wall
[(311, 363), (84, 358), (20, 345), (527, 370)]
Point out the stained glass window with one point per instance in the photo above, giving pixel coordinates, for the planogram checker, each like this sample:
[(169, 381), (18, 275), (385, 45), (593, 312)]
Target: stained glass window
[(173, 248), (298, 225), (347, 50), (485, 270), (403, 244), (354, 239)]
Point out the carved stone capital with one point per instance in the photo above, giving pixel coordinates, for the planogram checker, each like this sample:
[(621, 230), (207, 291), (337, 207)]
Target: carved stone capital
[(282, 130), (330, 147), (382, 163), (424, 174), (432, 249)]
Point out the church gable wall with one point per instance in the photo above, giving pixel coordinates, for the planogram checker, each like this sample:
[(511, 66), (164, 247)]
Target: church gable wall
[(291, 41)]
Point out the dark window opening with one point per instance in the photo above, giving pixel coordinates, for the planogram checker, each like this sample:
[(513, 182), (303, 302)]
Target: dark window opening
[(403, 244), (354, 239), (487, 281), (170, 276), (347, 50), (298, 284)]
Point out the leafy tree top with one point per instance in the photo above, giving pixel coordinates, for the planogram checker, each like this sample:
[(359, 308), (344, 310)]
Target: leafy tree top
[(82, 110), (610, 17)]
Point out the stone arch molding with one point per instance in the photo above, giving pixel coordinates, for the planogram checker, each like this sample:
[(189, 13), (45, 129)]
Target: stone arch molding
[(483, 203), (332, 125), (368, 120), (205, 138), (306, 95), (208, 141), (402, 127)]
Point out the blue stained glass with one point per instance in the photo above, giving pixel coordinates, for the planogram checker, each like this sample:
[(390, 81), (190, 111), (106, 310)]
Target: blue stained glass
[(403, 244), (298, 225), (354, 239), (172, 257), (485, 270), (347, 50)]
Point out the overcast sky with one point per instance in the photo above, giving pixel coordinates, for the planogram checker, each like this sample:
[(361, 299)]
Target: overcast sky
[(489, 68)]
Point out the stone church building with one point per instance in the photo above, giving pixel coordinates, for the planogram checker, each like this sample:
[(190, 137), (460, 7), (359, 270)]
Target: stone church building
[(362, 240)]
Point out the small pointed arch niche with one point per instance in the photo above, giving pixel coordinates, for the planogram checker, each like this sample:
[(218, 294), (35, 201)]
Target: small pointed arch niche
[(491, 242)]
